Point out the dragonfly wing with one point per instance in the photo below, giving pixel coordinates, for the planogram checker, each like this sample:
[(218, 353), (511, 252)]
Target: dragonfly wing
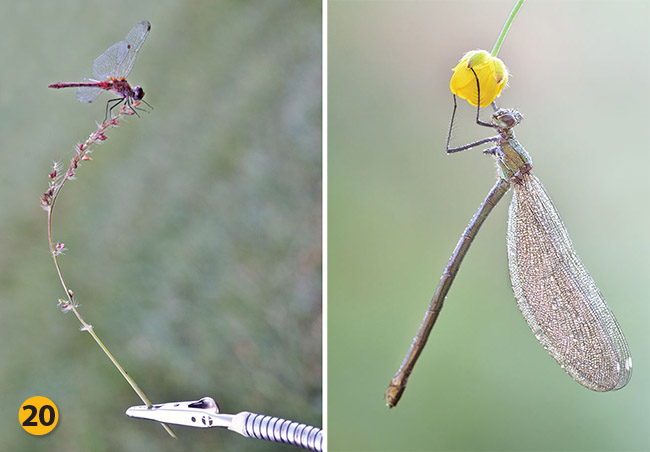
[(107, 64), (87, 94), (557, 296), (135, 38)]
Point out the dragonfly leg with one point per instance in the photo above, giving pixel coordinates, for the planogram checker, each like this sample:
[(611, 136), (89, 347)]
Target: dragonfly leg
[(131, 106), (147, 104), (478, 107), (467, 146), (110, 105), (136, 106), (474, 144), (478, 121), (451, 124)]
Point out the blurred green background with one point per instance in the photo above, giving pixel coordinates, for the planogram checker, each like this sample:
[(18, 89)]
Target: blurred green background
[(397, 206), (194, 236)]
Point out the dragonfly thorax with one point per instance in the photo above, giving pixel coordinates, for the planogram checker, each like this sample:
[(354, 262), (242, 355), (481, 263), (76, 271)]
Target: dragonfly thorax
[(512, 159), (506, 118)]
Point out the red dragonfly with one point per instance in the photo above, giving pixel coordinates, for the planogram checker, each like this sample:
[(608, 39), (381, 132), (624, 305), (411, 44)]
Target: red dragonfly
[(110, 70)]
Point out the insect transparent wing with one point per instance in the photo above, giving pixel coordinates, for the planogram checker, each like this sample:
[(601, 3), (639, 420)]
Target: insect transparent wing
[(557, 296), (135, 38), (106, 65), (87, 94)]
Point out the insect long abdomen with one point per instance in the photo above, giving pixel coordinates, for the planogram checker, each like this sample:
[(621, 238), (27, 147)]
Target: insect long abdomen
[(101, 85), (557, 296)]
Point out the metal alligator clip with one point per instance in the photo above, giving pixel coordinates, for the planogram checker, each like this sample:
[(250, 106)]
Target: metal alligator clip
[(204, 413)]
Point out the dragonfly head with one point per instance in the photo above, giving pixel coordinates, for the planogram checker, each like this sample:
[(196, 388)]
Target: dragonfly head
[(506, 119), (138, 93)]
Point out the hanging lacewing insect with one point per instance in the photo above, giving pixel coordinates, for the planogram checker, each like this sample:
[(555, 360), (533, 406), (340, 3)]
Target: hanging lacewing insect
[(556, 295)]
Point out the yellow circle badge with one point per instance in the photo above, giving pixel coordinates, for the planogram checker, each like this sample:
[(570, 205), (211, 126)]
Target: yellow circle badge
[(38, 415)]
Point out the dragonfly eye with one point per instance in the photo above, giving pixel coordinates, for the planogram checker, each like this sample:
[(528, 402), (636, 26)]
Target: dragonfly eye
[(507, 118), (139, 93)]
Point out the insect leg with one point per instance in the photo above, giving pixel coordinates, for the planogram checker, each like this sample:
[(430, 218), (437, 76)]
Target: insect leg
[(467, 146), (110, 105), (478, 108)]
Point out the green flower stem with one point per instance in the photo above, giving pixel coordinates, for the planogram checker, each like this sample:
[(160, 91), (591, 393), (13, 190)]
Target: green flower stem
[(128, 378), (71, 303), (506, 27)]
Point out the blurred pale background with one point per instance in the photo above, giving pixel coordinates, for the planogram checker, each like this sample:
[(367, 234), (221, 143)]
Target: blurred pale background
[(397, 206), (194, 236)]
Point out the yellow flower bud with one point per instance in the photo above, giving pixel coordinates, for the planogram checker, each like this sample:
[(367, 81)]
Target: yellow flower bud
[(492, 76)]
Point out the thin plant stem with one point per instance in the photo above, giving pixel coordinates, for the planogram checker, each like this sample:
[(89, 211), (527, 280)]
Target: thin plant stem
[(506, 27), (48, 201)]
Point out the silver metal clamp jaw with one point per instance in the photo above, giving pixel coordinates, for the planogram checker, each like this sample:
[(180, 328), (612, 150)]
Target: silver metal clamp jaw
[(204, 413)]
